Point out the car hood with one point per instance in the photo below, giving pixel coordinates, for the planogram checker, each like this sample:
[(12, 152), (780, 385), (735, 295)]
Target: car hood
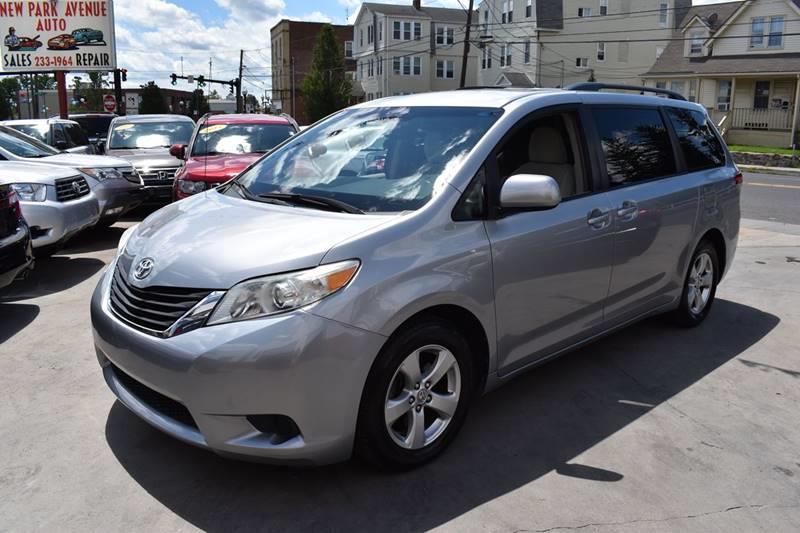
[(150, 158), (83, 161), (19, 172), (217, 168), (214, 241)]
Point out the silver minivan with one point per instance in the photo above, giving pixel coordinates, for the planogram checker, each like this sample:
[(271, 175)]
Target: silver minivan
[(360, 286)]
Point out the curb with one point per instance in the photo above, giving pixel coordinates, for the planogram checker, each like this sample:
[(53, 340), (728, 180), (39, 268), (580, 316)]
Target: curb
[(780, 171)]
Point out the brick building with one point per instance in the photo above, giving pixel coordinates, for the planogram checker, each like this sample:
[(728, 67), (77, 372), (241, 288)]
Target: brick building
[(292, 51)]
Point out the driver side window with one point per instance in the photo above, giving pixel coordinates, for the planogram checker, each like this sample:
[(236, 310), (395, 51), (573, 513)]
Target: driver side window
[(548, 146)]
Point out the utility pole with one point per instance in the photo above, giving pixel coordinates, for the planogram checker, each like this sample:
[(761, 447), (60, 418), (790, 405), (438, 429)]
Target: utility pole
[(239, 102), (210, 74), (35, 95), (294, 92), (118, 91), (466, 46)]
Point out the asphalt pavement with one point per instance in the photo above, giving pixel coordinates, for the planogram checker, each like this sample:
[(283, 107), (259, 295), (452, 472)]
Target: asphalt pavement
[(654, 428), (771, 197)]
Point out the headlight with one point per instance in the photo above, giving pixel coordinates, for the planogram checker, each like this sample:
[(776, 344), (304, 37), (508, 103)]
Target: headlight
[(283, 292), (191, 187), (30, 192), (102, 174)]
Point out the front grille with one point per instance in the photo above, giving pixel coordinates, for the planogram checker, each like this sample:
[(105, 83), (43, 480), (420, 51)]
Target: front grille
[(156, 177), (132, 176), (71, 188), (155, 400), (153, 309)]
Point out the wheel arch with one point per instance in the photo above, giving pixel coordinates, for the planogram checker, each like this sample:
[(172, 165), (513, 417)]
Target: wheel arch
[(715, 237)]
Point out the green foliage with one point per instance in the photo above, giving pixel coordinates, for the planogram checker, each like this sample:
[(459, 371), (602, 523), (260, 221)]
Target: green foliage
[(198, 105), (91, 92), (326, 88), (762, 149), (251, 103), (9, 88), (152, 100)]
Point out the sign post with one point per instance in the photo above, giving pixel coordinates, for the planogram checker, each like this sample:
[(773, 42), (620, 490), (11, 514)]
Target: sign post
[(49, 36)]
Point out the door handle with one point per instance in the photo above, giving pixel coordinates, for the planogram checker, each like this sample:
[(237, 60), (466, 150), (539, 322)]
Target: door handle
[(598, 218), (629, 210)]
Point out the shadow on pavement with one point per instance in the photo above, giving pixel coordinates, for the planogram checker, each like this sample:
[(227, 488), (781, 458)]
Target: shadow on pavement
[(536, 424), (94, 240), (14, 318), (51, 275)]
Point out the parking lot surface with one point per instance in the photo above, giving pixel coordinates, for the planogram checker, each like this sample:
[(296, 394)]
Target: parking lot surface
[(651, 429)]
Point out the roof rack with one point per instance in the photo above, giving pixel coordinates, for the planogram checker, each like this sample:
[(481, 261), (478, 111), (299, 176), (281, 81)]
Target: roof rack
[(596, 87), (478, 87)]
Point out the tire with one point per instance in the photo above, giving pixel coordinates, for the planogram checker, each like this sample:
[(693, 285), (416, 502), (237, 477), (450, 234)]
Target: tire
[(396, 445), (698, 293)]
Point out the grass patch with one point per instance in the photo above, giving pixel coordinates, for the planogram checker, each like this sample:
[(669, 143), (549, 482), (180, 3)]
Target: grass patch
[(762, 149)]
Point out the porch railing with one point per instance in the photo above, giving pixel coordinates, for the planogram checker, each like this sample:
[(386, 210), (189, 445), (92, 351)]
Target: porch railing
[(760, 119)]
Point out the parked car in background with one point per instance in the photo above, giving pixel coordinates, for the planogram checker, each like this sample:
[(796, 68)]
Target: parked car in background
[(302, 311), (87, 35), (115, 182), (95, 126), (224, 145), (64, 135), (56, 202), (145, 141), (16, 252)]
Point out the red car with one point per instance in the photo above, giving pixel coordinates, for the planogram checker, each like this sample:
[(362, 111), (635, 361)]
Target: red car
[(222, 146)]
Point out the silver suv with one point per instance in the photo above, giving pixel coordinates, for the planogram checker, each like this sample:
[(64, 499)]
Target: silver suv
[(361, 285)]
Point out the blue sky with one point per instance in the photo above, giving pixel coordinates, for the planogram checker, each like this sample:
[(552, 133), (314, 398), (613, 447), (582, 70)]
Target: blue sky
[(158, 37)]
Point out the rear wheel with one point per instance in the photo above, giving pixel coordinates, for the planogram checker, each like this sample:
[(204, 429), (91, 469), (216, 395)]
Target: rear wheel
[(416, 397), (700, 286)]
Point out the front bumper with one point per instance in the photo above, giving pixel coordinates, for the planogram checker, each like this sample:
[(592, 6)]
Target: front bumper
[(16, 255), (53, 222), (307, 368), (118, 196)]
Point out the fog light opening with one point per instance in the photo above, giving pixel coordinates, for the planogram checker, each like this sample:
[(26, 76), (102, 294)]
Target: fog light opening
[(278, 428)]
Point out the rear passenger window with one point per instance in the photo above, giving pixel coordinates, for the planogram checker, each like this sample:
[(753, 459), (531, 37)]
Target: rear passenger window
[(635, 143), (701, 147)]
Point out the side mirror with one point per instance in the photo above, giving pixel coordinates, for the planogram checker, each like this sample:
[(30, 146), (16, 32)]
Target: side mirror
[(530, 191), (178, 150), (101, 147), (62, 145)]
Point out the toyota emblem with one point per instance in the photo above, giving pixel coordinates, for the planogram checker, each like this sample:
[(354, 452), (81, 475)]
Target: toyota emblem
[(143, 269), (76, 187)]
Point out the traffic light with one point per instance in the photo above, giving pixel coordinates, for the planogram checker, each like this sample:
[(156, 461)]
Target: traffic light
[(174, 79), (124, 74), (201, 81)]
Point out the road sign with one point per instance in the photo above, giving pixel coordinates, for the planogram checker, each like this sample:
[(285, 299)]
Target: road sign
[(109, 103)]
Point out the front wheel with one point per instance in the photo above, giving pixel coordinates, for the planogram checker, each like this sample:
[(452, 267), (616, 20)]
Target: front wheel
[(416, 397), (700, 286)]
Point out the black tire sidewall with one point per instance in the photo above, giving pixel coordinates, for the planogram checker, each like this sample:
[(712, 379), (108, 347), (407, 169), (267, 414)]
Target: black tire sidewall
[(685, 315), (373, 442)]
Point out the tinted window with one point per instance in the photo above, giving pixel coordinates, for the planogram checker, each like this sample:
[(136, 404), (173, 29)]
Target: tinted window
[(94, 126), (635, 143), (58, 134), (75, 135), (700, 145)]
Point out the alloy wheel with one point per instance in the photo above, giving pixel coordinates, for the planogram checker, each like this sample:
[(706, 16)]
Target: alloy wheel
[(700, 284)]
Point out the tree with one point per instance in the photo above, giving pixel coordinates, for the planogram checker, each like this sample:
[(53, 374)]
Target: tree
[(151, 100), (326, 89), (9, 89), (214, 95), (198, 105), (251, 104)]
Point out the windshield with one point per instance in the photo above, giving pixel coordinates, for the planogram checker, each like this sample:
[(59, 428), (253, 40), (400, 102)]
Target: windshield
[(376, 159), (128, 136), (22, 145), (37, 131), (94, 126), (239, 138)]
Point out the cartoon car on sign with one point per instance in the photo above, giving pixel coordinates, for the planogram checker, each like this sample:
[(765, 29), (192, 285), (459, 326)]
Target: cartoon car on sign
[(24, 44), (65, 41), (87, 35)]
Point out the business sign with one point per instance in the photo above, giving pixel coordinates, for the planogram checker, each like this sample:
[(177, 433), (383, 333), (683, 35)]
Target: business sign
[(50, 35)]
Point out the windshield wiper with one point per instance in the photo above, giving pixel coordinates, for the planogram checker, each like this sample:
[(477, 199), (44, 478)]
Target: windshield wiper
[(317, 202)]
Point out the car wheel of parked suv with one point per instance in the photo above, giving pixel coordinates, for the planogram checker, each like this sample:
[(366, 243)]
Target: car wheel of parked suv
[(700, 286), (416, 396)]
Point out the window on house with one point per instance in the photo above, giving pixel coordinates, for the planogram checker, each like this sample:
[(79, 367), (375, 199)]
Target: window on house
[(527, 54), (505, 55), (659, 51), (635, 143), (678, 86), (582, 62), (396, 65), (371, 67), (406, 31), (361, 37), (692, 90), (380, 31), (510, 11), (417, 31), (380, 66), (696, 46), (504, 13), (761, 97), (444, 35), (723, 95), (417, 65), (661, 85), (603, 7), (757, 32), (486, 59), (406, 66), (370, 37), (584, 11), (445, 69), (663, 14), (623, 49), (396, 30), (348, 49), (601, 51), (776, 31), (528, 8), (701, 147)]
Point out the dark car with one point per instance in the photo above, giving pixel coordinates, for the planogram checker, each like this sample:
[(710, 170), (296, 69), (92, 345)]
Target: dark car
[(16, 254), (95, 126)]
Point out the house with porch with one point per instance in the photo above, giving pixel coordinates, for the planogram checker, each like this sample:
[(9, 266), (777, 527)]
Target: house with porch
[(741, 60)]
